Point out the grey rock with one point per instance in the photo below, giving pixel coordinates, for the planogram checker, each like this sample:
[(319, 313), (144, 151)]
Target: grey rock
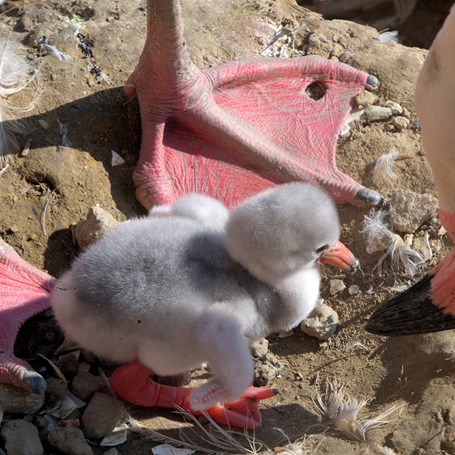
[(260, 347), (97, 223), (85, 385), (21, 437), (19, 401), (69, 440), (102, 415), (336, 286), (322, 322), (69, 364), (56, 387), (266, 369), (112, 451), (409, 210)]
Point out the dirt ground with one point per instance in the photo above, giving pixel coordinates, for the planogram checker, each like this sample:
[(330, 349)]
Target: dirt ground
[(81, 115)]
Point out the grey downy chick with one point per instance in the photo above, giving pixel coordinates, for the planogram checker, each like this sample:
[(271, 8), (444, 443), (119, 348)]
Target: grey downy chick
[(175, 294)]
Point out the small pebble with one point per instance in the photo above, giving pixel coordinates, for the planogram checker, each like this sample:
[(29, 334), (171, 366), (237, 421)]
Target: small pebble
[(353, 289), (396, 108), (400, 123), (260, 347), (69, 440), (85, 385), (365, 99), (336, 286), (14, 400), (98, 222), (21, 437), (377, 113), (322, 322), (409, 210), (102, 415)]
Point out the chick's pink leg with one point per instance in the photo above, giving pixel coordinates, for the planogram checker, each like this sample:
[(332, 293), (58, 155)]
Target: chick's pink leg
[(132, 383), (24, 292), (241, 127)]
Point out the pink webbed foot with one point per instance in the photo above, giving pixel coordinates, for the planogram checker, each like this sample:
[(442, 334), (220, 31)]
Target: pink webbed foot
[(132, 383), (244, 126), (24, 292)]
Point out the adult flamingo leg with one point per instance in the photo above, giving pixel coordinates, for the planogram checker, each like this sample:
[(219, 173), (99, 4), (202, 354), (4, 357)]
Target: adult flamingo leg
[(24, 292), (239, 128)]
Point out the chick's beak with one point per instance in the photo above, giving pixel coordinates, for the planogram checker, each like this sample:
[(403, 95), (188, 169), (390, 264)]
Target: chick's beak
[(339, 256)]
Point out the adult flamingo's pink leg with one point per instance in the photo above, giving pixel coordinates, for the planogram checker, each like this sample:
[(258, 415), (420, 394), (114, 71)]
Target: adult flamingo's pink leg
[(241, 127), (24, 292)]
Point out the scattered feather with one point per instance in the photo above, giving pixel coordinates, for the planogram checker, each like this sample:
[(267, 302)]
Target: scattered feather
[(4, 169), (15, 74), (59, 55), (66, 406), (343, 412), (380, 238), (383, 167)]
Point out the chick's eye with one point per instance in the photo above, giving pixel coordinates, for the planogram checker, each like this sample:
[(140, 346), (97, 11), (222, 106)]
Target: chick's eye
[(321, 249)]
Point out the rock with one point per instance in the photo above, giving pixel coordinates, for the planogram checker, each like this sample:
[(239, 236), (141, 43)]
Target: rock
[(322, 322), (85, 385), (97, 223), (21, 437), (396, 108), (112, 451), (365, 99), (353, 289), (56, 387), (409, 210), (102, 415), (336, 286), (400, 123), (69, 440), (18, 401), (266, 370), (260, 347), (69, 364)]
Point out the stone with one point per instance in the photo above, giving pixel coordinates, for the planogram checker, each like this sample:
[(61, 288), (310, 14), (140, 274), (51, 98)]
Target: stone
[(91, 229), (56, 387), (260, 347), (365, 99), (69, 440), (336, 286), (69, 364), (266, 370), (400, 123), (17, 401), (353, 289), (21, 437), (396, 108), (85, 385), (409, 210), (102, 415), (322, 322)]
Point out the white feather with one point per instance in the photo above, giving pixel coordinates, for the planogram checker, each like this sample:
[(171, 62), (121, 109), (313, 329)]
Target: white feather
[(15, 74)]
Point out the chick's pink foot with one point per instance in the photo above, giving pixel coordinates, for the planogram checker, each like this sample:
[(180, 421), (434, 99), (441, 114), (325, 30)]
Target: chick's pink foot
[(24, 292), (132, 383)]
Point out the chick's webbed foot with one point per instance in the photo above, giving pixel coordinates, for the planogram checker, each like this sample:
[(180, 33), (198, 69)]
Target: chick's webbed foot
[(24, 292), (132, 383)]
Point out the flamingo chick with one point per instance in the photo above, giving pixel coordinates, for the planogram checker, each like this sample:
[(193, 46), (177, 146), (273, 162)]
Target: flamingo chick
[(169, 293), (429, 305)]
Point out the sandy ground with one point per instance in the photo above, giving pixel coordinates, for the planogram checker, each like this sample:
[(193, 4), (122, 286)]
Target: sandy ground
[(81, 115)]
